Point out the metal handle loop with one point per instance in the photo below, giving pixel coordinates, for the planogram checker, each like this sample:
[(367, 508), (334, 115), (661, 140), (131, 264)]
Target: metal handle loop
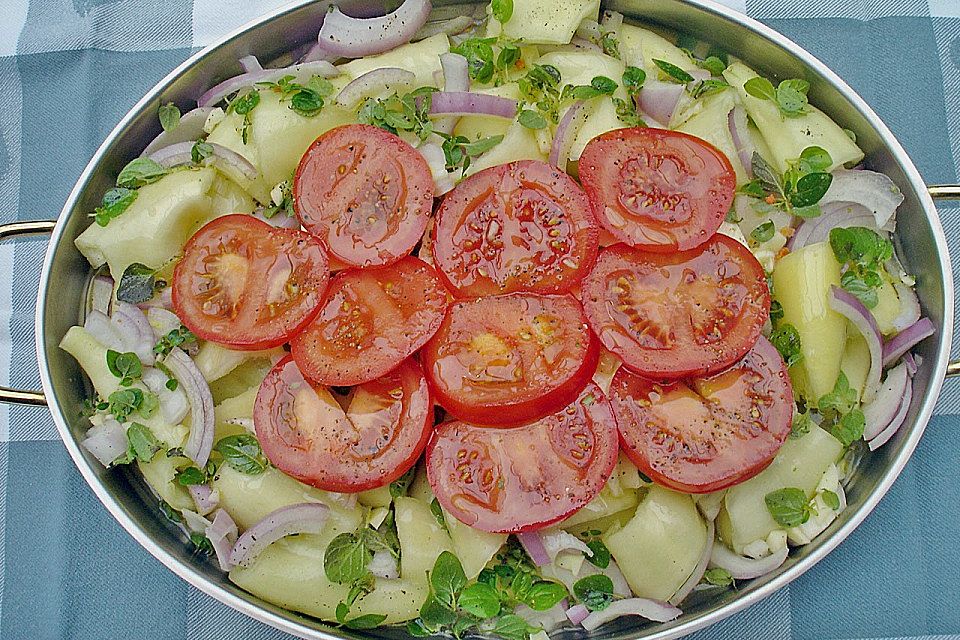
[(947, 192), (12, 231)]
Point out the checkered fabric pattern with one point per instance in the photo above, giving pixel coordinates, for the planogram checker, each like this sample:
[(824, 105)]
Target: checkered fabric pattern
[(69, 69)]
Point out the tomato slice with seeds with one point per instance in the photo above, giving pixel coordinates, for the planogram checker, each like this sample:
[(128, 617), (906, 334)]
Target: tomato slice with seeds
[(528, 477), (365, 193), (657, 189), (509, 359), (669, 316), (706, 434), (247, 285), (368, 441), (371, 320), (523, 226)]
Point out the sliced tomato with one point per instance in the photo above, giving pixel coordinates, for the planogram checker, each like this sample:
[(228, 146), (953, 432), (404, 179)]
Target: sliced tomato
[(247, 285), (370, 440), (669, 316), (657, 189), (523, 226), (528, 477), (365, 193), (371, 320), (706, 434), (510, 359)]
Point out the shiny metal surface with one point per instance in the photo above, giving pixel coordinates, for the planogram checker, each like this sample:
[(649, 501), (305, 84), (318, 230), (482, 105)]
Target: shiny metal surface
[(11, 232), (65, 275), (947, 192)]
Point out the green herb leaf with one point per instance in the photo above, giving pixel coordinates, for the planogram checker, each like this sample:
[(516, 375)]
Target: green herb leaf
[(792, 97), (502, 10), (672, 72), (713, 64), (191, 476), (814, 159), (603, 85), (531, 119), (417, 629), (709, 87), (860, 245), (842, 399), (178, 337), (479, 55), (115, 202), (849, 428), (786, 339), (200, 151), (810, 189), (601, 555), (125, 366), (169, 116), (123, 402), (776, 312), (306, 102), (137, 284), (766, 176), (512, 627), (544, 595), (763, 232), (788, 506), (201, 543), (242, 452), (447, 578), (633, 79), (753, 189), (627, 113), (760, 88), (853, 283), (169, 512), (595, 592), (139, 172), (399, 486), (143, 444), (718, 577), (346, 559), (435, 614), (245, 103), (801, 425), (830, 499), (610, 45), (480, 600)]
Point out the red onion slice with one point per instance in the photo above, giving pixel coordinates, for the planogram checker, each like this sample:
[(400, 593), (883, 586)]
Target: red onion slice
[(107, 441), (222, 534), (189, 128), (162, 320), (357, 37), (697, 574), (103, 330), (200, 441), (182, 153), (742, 140), (743, 568), (549, 620), (301, 73), (557, 541), (249, 64), (847, 305), (298, 518), (643, 607), (880, 412), (101, 294), (909, 307), (317, 52), (911, 362), (570, 124), (533, 544), (466, 103), (134, 330), (884, 436), (173, 404), (384, 565), (456, 78), (378, 83), (205, 498), (907, 339), (837, 214), (875, 191), (577, 613), (194, 522), (659, 99)]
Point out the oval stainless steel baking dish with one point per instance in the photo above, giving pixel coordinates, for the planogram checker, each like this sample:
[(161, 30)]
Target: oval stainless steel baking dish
[(65, 276)]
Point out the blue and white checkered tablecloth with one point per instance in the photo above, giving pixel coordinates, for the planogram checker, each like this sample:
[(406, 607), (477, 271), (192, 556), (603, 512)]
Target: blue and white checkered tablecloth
[(69, 69)]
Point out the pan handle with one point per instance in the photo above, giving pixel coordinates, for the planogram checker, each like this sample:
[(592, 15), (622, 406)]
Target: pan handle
[(12, 231), (947, 192)]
